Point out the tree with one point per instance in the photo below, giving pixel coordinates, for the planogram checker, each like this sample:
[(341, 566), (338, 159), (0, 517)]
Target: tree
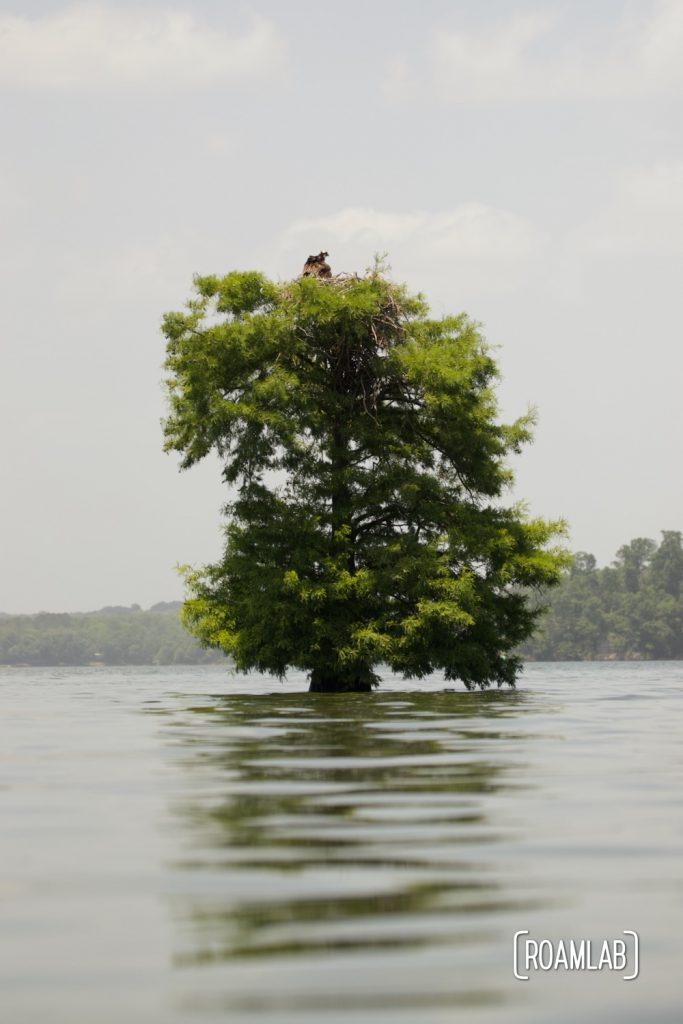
[(666, 565), (632, 609), (632, 560), (583, 564), (361, 439)]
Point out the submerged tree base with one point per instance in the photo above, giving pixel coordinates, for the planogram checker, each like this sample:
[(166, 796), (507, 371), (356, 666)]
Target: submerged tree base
[(332, 683)]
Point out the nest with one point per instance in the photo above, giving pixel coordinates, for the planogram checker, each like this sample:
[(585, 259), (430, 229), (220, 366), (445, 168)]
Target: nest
[(351, 355)]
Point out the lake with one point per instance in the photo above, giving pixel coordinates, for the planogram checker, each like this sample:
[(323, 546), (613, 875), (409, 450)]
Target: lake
[(182, 845)]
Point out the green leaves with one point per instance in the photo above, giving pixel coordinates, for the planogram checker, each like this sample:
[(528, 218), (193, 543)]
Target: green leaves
[(383, 538)]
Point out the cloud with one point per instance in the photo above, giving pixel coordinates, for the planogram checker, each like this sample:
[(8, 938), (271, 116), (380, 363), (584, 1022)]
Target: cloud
[(470, 228), (526, 58), (472, 243), (359, 224), (490, 64), (633, 241), (630, 248), (100, 47)]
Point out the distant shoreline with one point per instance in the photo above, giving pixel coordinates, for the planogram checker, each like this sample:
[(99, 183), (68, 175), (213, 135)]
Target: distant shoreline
[(109, 637)]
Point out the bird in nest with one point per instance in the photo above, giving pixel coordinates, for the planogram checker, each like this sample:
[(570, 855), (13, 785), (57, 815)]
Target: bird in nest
[(316, 266)]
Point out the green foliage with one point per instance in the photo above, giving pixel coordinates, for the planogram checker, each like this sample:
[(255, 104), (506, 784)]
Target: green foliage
[(362, 441), (114, 636), (632, 609)]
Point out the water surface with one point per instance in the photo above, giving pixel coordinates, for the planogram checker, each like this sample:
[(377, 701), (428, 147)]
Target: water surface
[(179, 845)]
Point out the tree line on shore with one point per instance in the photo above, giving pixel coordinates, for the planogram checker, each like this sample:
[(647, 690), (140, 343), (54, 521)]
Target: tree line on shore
[(111, 636), (631, 609)]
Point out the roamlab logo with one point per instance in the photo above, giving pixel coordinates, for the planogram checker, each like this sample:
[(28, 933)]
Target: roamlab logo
[(621, 955)]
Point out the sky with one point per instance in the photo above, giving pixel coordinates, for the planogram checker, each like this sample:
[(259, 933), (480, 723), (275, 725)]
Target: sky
[(521, 161)]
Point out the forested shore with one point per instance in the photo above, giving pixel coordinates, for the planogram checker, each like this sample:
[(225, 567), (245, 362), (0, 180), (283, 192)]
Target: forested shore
[(111, 636), (631, 609)]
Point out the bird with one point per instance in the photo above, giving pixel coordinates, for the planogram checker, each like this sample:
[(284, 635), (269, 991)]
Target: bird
[(315, 266)]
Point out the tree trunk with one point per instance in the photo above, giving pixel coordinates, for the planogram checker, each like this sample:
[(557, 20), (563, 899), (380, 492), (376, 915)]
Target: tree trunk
[(341, 503), (330, 678), (330, 682)]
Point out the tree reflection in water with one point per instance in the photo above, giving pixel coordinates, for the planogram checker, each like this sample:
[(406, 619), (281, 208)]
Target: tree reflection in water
[(315, 826)]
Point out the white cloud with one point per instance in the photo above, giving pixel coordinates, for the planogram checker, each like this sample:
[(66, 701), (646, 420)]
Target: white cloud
[(470, 228), (472, 243), (95, 46), (470, 66), (661, 48), (484, 251), (629, 248), (525, 58), (359, 224)]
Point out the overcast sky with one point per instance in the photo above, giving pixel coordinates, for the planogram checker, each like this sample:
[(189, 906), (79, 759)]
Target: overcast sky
[(520, 161)]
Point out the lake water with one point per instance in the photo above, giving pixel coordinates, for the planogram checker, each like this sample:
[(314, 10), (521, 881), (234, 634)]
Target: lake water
[(179, 845)]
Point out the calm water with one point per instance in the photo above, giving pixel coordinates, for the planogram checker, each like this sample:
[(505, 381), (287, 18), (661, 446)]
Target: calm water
[(181, 846)]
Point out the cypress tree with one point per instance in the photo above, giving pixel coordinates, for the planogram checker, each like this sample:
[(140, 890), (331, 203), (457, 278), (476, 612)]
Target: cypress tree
[(368, 524)]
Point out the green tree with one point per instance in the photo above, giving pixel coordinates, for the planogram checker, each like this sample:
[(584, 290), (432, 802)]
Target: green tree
[(666, 565), (632, 609), (575, 627), (368, 525), (632, 560)]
